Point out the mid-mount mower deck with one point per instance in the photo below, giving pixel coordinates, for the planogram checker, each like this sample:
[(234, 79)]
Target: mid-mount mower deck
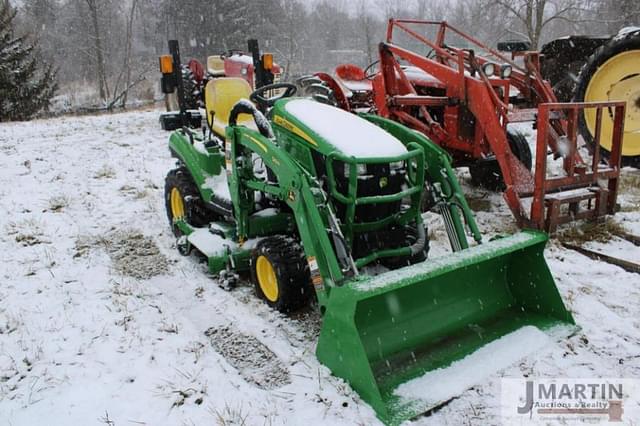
[(310, 197)]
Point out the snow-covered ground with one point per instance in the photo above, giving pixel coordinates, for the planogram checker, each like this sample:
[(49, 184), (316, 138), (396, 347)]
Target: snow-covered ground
[(103, 322)]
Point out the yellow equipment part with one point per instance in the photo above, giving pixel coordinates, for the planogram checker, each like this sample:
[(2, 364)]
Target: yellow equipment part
[(177, 205), (267, 279), (618, 79), (221, 94)]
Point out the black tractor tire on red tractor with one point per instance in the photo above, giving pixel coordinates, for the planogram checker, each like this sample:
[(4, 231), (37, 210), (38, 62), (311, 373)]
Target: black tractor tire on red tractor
[(313, 87), (616, 46), (486, 172), (191, 92)]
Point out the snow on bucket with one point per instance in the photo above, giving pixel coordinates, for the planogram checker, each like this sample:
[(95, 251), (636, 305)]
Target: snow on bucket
[(380, 333)]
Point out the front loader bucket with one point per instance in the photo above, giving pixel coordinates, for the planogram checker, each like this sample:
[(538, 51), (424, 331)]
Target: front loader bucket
[(384, 334)]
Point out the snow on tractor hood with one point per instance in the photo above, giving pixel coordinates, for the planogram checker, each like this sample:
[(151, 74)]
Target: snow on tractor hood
[(348, 133)]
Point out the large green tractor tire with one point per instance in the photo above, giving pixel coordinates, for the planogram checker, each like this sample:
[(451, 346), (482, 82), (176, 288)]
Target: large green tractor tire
[(280, 273), (487, 173), (612, 73), (183, 201)]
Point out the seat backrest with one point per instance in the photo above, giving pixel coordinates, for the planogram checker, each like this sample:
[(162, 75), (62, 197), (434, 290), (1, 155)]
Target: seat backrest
[(215, 65), (221, 94), (350, 72), (196, 69)]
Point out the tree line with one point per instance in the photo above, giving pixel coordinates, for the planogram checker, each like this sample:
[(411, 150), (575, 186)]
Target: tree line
[(113, 45)]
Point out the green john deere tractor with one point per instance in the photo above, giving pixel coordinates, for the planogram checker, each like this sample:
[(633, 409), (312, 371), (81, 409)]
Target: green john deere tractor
[(313, 202)]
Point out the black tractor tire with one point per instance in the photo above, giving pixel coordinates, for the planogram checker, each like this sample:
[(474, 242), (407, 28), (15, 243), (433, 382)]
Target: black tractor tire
[(290, 271), (562, 59), (195, 213), (310, 86), (191, 93), (486, 172), (616, 46), (410, 238)]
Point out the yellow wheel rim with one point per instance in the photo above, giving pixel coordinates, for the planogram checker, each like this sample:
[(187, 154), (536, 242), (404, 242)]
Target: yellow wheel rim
[(618, 79), (177, 205), (267, 279)]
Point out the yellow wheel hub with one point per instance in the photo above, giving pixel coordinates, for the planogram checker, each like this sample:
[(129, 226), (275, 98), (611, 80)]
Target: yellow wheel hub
[(618, 79), (177, 205), (267, 279)]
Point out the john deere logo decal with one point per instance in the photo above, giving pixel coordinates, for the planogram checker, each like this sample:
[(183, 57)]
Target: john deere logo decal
[(293, 129)]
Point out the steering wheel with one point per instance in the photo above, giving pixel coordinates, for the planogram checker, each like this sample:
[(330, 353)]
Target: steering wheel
[(259, 95), (370, 71)]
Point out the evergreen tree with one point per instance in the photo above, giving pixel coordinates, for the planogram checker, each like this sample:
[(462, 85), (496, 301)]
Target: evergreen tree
[(26, 87)]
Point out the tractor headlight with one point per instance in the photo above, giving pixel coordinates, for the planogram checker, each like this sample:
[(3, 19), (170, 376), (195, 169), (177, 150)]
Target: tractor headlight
[(489, 69), (243, 71), (505, 71), (396, 167), (362, 169)]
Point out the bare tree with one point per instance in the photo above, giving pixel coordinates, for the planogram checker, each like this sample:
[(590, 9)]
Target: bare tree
[(103, 84), (127, 57), (292, 36), (534, 15), (366, 25)]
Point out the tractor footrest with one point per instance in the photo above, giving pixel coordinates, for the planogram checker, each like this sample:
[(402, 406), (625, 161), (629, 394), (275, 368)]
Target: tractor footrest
[(595, 206)]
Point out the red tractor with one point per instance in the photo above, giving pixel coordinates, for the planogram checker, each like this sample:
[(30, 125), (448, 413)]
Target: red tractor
[(464, 99), (256, 68)]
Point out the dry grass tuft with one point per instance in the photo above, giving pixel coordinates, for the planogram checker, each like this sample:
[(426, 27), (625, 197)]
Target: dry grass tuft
[(590, 231), (229, 416), (105, 172), (58, 203), (629, 182)]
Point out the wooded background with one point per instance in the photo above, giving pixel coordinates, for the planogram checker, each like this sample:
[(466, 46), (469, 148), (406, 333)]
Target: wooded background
[(111, 45)]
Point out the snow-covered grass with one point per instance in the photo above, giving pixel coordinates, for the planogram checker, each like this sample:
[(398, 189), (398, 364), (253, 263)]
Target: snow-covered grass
[(80, 96), (103, 322)]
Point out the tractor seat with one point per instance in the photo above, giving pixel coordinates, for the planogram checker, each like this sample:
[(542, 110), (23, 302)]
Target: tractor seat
[(221, 94), (350, 72), (215, 66), (353, 77)]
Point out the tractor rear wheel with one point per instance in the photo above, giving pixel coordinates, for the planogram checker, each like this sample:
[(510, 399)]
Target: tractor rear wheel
[(280, 273), (191, 92), (612, 73), (487, 173), (313, 87), (183, 201)]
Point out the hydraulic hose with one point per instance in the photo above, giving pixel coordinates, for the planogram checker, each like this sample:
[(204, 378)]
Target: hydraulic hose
[(421, 239)]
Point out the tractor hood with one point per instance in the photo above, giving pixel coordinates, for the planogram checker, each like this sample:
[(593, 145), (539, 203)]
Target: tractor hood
[(328, 129)]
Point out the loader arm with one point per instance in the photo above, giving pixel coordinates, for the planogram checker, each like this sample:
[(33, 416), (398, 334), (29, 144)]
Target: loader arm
[(450, 199), (297, 189)]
